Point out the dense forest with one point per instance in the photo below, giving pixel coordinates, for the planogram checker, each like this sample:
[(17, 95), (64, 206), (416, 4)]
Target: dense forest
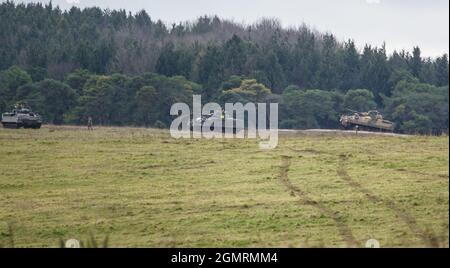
[(128, 69)]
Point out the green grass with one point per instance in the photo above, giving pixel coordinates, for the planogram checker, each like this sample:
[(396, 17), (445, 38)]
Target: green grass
[(141, 188)]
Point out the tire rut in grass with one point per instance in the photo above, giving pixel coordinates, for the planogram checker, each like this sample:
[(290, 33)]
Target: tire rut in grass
[(427, 237), (343, 229), (424, 174)]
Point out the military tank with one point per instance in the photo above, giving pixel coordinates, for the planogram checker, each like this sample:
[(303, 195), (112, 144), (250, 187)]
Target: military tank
[(224, 117), (21, 116), (370, 121)]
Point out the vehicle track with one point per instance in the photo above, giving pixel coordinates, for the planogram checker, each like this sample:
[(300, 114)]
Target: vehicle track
[(430, 175), (338, 132), (343, 229), (427, 237)]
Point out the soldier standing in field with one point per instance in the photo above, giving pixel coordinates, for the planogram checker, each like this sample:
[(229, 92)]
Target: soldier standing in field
[(89, 123)]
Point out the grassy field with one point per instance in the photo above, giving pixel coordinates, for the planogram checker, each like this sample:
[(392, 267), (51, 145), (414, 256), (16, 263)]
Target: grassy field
[(141, 188)]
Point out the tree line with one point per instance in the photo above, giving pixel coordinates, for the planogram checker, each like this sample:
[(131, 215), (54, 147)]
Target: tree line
[(128, 69)]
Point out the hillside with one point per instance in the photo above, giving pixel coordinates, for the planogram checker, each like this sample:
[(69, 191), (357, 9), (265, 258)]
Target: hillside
[(144, 189), (104, 62)]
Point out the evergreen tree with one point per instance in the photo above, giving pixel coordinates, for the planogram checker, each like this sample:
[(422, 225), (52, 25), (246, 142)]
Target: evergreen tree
[(416, 62), (441, 67), (329, 73), (351, 62)]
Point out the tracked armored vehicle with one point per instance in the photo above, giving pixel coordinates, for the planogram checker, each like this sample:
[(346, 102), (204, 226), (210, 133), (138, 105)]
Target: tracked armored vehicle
[(224, 117), (370, 121), (21, 116)]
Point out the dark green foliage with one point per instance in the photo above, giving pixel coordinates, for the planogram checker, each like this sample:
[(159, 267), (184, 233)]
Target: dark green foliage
[(109, 99), (128, 69), (419, 108), (330, 69), (50, 97), (375, 72), (310, 109), (210, 70), (441, 67), (416, 62), (359, 100), (351, 66), (77, 79), (233, 82), (235, 56), (10, 80), (146, 100), (124, 100), (173, 61), (248, 91), (49, 42)]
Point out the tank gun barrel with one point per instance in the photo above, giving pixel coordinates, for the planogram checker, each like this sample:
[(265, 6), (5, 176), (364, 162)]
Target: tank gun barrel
[(353, 111)]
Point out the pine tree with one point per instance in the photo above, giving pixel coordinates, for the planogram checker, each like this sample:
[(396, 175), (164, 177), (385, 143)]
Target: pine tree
[(416, 62), (441, 66)]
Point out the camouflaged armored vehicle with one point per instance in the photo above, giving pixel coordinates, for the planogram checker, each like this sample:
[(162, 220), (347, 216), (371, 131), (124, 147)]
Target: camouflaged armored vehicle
[(370, 121), (224, 117), (21, 116)]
